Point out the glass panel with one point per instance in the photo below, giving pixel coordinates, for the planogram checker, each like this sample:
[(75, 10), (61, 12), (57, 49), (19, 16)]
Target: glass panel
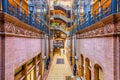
[(14, 3), (28, 77), (107, 3), (95, 7), (32, 75)]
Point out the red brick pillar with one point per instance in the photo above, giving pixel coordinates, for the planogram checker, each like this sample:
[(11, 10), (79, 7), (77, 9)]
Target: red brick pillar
[(117, 58), (2, 57)]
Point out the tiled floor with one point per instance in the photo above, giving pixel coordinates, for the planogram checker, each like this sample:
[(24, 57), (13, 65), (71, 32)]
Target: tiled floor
[(59, 71)]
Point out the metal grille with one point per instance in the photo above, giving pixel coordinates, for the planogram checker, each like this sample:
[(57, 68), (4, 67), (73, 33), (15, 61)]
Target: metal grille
[(60, 61)]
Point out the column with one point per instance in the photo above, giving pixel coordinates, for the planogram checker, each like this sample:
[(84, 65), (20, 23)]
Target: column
[(71, 52), (45, 56), (4, 5), (114, 6), (89, 18), (31, 9)]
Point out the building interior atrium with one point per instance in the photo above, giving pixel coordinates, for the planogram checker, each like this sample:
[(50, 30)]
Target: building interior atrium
[(59, 39)]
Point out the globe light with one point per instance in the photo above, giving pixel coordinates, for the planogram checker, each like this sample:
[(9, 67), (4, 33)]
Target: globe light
[(31, 8)]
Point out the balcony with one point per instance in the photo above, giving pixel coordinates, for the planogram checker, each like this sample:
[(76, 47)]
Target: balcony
[(67, 10), (62, 7), (22, 14), (61, 29), (63, 18), (99, 14)]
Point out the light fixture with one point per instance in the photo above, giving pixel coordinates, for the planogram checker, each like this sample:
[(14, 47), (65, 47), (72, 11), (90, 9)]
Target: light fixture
[(31, 8), (44, 58), (76, 57), (72, 76)]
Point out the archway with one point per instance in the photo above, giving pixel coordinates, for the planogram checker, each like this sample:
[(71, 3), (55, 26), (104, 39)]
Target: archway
[(98, 72), (88, 69)]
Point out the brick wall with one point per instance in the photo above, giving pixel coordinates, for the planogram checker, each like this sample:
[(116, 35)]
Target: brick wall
[(99, 51), (0, 57), (17, 52), (21, 43)]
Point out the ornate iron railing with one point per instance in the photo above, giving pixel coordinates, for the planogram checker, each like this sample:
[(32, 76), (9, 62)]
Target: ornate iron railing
[(72, 32), (62, 17), (61, 29), (23, 15), (99, 14)]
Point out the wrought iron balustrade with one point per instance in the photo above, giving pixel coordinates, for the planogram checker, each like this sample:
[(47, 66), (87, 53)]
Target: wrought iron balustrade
[(47, 31), (61, 29), (62, 6), (62, 17), (20, 13), (100, 13)]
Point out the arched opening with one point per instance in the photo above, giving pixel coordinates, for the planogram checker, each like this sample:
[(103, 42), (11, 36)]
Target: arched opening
[(81, 65), (98, 72), (88, 69)]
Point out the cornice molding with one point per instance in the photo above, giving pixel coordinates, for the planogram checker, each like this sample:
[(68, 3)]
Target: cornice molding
[(11, 26), (108, 26)]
